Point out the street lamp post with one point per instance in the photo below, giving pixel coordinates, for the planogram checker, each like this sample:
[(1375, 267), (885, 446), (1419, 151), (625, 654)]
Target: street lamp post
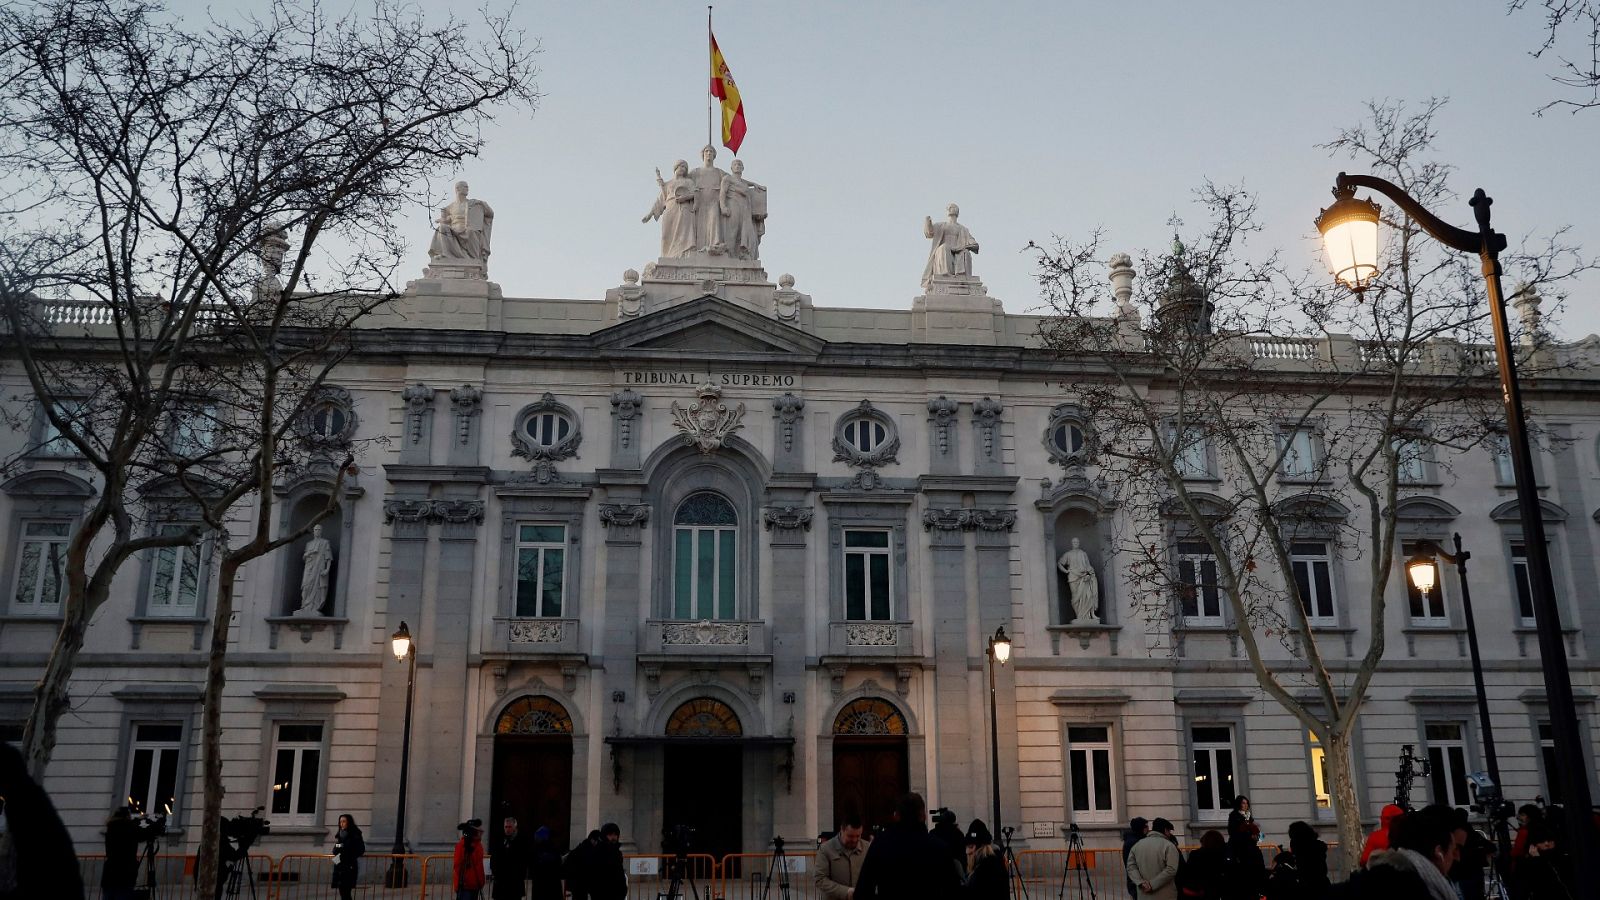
[(999, 651), (1350, 233), (1420, 569), (405, 650)]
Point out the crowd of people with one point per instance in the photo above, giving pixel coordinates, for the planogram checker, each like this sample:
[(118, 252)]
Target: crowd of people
[(1229, 867), (911, 861)]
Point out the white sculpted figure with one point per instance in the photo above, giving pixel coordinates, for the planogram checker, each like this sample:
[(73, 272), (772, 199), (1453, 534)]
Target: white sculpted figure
[(675, 208), (318, 557), (1083, 586), (953, 246), (708, 207), (462, 233), (744, 213)]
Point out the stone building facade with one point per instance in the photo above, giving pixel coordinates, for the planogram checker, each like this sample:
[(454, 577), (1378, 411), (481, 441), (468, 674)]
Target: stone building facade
[(704, 552)]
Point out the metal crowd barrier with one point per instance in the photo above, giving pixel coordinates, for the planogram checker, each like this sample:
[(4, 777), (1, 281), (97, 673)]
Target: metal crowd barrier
[(737, 876)]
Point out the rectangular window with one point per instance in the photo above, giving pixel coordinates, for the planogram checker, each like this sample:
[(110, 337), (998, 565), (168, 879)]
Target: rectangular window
[(1447, 758), (1299, 453), (194, 430), (1214, 786), (1519, 575), (41, 568), (1547, 756), (1189, 456), (1089, 759), (51, 440), (541, 570), (1199, 598), (1319, 774), (1312, 564), (1426, 609), (1410, 461), (703, 572), (866, 576), (175, 578), (153, 767), (296, 770), (1504, 471)]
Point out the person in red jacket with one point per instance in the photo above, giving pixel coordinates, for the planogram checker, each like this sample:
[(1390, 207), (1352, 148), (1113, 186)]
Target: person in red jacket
[(1379, 840), (468, 876)]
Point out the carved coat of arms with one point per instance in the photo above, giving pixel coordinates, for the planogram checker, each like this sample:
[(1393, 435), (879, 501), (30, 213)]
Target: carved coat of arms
[(707, 422)]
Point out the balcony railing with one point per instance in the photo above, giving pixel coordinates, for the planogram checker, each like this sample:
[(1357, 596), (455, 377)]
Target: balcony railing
[(872, 639), (740, 637)]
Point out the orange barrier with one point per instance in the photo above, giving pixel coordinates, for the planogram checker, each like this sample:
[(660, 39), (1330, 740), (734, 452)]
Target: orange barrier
[(650, 875), (174, 875), (309, 876), (744, 877)]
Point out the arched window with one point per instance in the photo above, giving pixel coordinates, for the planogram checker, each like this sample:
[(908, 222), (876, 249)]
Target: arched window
[(534, 715), (705, 534), (704, 717), (870, 717)]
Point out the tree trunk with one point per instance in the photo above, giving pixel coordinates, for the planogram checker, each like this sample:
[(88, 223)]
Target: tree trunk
[(211, 732), (51, 696), (1346, 805)]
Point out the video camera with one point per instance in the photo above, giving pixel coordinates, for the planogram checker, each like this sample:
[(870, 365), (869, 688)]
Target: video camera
[(242, 832), (943, 815), (1487, 799), (470, 827), (678, 839)]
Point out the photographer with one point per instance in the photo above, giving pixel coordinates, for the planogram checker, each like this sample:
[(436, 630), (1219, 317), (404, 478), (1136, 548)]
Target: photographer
[(125, 834), (348, 848), (467, 876), (949, 834)]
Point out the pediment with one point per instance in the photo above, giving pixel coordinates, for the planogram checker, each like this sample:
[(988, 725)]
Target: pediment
[(711, 325)]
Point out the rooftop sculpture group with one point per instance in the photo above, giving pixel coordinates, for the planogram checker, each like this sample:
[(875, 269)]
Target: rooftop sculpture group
[(709, 211)]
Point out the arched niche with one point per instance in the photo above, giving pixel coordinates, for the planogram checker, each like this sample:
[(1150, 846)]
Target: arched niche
[(302, 511), (1080, 513), (298, 503)]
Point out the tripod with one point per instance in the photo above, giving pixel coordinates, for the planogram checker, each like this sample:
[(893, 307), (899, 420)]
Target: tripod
[(234, 871), (680, 873), (147, 862), (1085, 883), (780, 864), (1010, 860)]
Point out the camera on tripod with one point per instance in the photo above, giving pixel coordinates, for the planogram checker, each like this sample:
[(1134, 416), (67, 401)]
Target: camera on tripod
[(1487, 800), (678, 840), (242, 832)]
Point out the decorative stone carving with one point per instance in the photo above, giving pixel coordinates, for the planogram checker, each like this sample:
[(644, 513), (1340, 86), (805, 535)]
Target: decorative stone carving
[(318, 558), (407, 510), (743, 206), (418, 398), (625, 407), (986, 418), (630, 297), (624, 515), (460, 246), (458, 512), (787, 517), (871, 634), (270, 248), (786, 300), (953, 247), (863, 419), (1067, 437), (944, 519), (536, 631), (454, 511), (328, 419), (951, 519), (708, 227), (992, 519), (546, 433), (1083, 585), (942, 413), (466, 400), (675, 207), (788, 408), (707, 422), (1122, 291), (705, 633)]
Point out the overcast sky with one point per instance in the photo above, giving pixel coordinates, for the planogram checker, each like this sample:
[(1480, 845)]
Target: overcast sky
[(1037, 118)]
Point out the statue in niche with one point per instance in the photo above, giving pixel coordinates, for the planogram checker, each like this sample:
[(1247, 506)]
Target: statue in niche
[(744, 213), (708, 208), (1083, 586), (675, 208), (318, 557), (953, 246), (463, 231)]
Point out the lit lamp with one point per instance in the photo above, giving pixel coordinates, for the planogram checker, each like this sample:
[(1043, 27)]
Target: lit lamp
[(1349, 232), (1422, 571), (405, 650), (999, 652)]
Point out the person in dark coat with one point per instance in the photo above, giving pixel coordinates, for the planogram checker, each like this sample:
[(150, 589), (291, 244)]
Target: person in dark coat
[(1247, 870), (905, 862), (348, 848), (508, 863), (986, 866), (1138, 827), (120, 874), (45, 863), (603, 877), (1422, 848), (1310, 860), (576, 865), (1206, 870), (544, 867), (1283, 881), (953, 839)]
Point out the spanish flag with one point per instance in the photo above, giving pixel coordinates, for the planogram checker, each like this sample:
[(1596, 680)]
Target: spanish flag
[(723, 88)]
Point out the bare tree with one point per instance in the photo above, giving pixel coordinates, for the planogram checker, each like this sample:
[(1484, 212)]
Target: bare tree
[(152, 169), (1572, 36), (1255, 427)]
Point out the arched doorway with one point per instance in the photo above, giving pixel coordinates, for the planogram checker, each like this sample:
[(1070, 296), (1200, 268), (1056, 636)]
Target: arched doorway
[(870, 768), (703, 765), (532, 769)]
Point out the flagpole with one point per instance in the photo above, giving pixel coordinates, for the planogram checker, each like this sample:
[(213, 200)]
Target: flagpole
[(709, 40)]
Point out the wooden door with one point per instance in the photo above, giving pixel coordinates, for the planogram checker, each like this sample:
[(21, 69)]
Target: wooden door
[(532, 781), (704, 789), (870, 775)]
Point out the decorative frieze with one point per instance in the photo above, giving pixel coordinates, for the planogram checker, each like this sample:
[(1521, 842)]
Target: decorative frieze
[(536, 631), (624, 515), (458, 512), (950, 519), (944, 519), (871, 634), (410, 511), (787, 517), (705, 633), (406, 510)]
